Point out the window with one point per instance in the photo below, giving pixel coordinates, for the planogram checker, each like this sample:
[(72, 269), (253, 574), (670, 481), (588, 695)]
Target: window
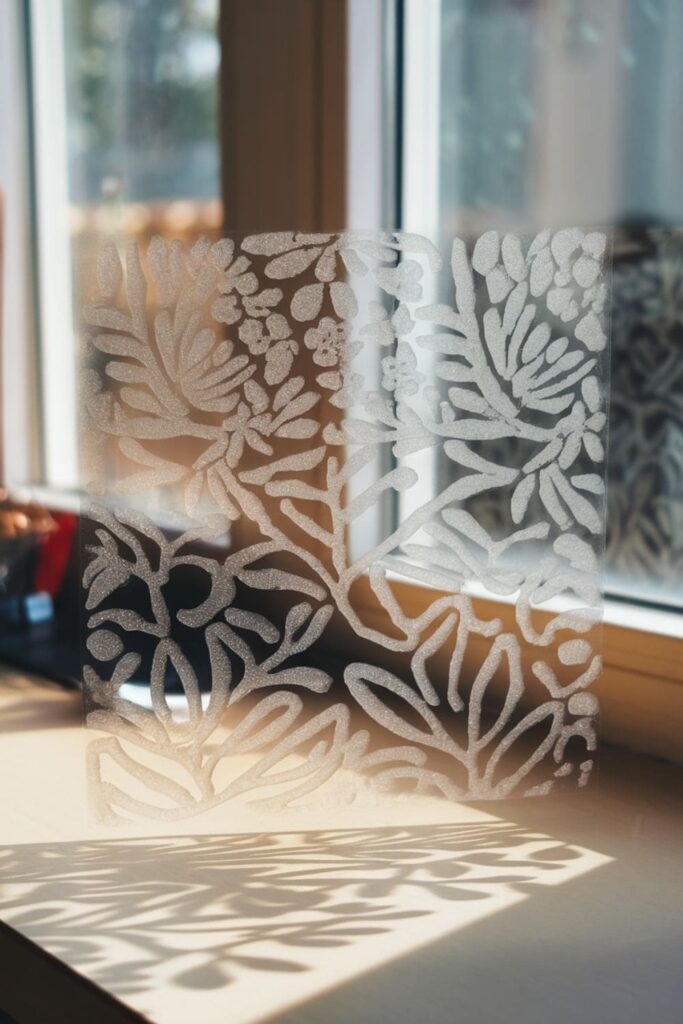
[(455, 116)]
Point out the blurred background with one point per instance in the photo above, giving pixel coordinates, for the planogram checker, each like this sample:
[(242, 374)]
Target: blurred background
[(175, 117)]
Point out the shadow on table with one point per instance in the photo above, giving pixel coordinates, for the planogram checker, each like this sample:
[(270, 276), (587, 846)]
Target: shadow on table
[(207, 906)]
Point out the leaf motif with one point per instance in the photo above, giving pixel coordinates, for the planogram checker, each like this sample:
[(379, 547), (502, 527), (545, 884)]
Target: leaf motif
[(270, 243), (541, 274), (128, 372), (551, 502), (254, 622), (513, 258), (536, 342), (514, 306), (580, 507), (358, 677), (168, 651), (314, 629), (454, 371), (137, 292), (200, 346), (478, 430), (279, 360), (494, 336), (106, 583), (120, 345), (287, 392), (552, 406), (593, 446), (108, 319), (521, 497), (292, 263), (221, 495), (273, 243), (343, 300), (307, 302), (160, 473), (298, 430), (298, 463), (579, 553), (470, 401), (411, 242), (589, 482), (399, 479), (353, 262), (142, 400), (109, 271), (589, 330), (486, 253), (298, 406), (498, 284), (462, 278), (166, 342), (505, 650), (447, 345), (552, 710), (278, 579)]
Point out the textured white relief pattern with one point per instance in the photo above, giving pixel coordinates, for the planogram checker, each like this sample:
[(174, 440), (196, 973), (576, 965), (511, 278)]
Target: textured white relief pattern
[(232, 387)]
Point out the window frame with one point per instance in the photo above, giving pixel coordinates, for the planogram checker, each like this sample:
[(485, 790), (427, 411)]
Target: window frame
[(20, 428)]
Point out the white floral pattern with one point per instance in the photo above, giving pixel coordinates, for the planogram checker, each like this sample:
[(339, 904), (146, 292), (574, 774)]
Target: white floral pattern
[(200, 389)]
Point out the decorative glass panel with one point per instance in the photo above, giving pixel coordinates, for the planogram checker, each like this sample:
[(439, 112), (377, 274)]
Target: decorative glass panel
[(284, 601)]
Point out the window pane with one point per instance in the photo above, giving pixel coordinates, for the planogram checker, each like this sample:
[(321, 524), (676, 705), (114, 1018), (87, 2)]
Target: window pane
[(126, 142), (141, 100)]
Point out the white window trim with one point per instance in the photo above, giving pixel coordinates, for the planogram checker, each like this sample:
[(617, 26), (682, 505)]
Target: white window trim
[(58, 362), (19, 431)]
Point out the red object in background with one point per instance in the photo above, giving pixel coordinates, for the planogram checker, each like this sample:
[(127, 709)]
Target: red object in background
[(54, 554)]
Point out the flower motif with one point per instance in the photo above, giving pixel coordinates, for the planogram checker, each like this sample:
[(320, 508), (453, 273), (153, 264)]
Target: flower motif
[(259, 339), (258, 336), (385, 328), (400, 373), (327, 341)]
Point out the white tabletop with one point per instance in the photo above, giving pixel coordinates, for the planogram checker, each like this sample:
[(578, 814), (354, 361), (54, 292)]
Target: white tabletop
[(547, 910)]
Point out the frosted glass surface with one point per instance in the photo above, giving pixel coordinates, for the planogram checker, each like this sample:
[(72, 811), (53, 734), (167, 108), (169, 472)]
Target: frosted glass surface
[(285, 601)]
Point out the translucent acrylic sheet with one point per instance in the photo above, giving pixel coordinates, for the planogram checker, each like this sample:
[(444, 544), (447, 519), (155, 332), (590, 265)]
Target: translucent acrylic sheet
[(347, 519)]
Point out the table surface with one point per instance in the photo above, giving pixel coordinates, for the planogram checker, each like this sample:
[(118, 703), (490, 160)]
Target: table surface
[(564, 910)]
